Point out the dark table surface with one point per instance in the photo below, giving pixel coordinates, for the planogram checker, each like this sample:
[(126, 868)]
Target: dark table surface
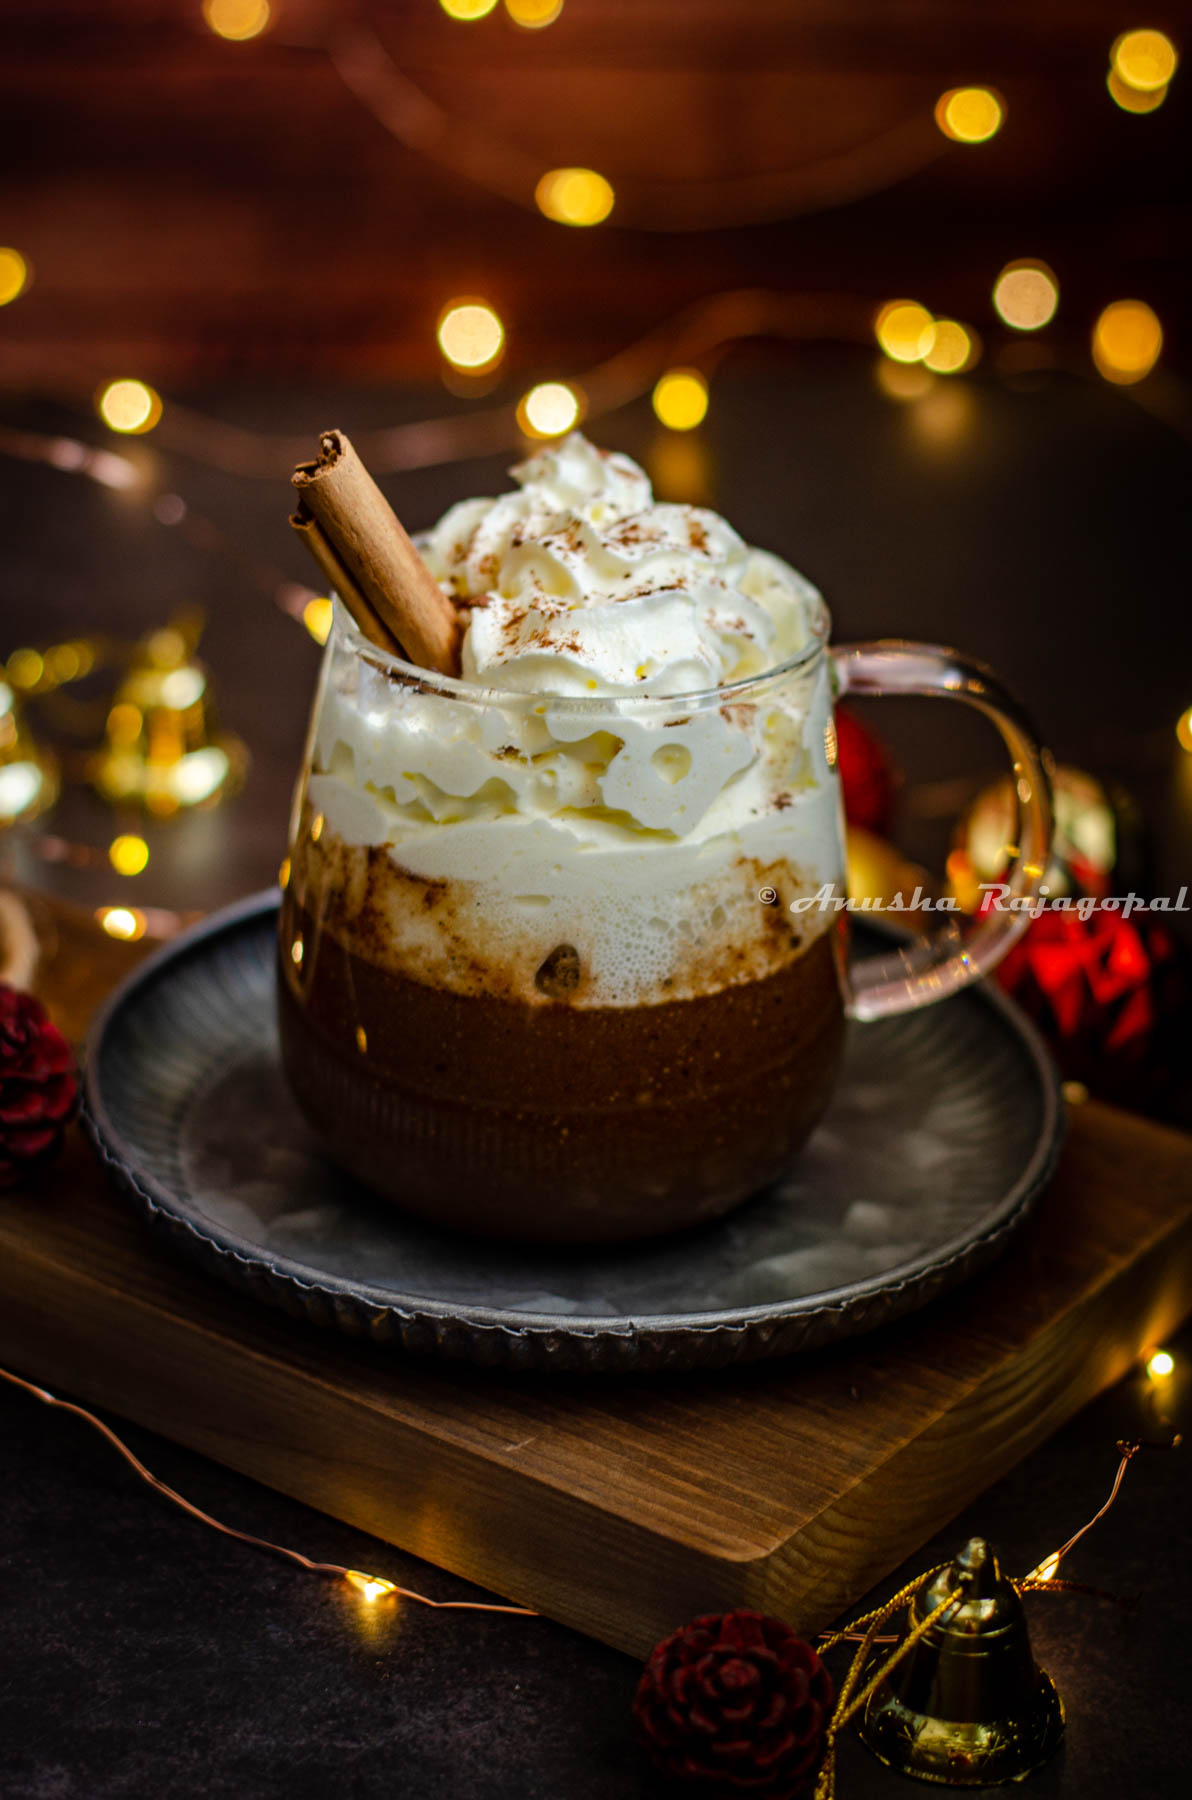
[(1036, 522)]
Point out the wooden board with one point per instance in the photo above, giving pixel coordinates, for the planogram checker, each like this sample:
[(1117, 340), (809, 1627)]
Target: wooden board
[(618, 1506)]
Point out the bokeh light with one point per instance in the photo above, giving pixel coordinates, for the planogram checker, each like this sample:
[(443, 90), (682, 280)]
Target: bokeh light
[(1144, 60), (1160, 1365), (1183, 730), (1127, 339), (953, 348), (1026, 295), (470, 334), (903, 381), (549, 410), (905, 330), (970, 115), (316, 616), (25, 668), (236, 20), (14, 275), (1134, 100), (467, 9), (127, 923), (128, 854), (574, 196), (129, 406), (681, 399), (533, 14)]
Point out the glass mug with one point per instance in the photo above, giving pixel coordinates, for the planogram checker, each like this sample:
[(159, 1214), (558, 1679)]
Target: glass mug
[(540, 972)]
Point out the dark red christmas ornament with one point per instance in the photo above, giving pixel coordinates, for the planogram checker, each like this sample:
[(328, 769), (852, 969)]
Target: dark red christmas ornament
[(866, 774), (735, 1704), (38, 1090), (1111, 995)]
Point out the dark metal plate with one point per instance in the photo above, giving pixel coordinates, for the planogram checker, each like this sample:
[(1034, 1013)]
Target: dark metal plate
[(945, 1125)]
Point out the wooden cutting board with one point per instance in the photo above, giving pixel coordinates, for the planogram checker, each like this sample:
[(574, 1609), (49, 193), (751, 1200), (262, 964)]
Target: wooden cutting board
[(619, 1506)]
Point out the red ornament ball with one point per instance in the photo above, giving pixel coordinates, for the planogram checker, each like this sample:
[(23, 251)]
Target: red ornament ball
[(735, 1704), (867, 776), (38, 1090)]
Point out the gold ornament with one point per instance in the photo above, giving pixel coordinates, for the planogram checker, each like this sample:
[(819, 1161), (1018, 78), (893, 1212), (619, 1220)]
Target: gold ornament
[(163, 748), (969, 1706), (28, 774)]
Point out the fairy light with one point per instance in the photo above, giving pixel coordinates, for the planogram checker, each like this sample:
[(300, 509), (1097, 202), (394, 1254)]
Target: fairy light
[(905, 330), (953, 348), (1144, 60), (128, 854), (1127, 339), (371, 1587), (131, 407), (970, 115), (470, 334), (1047, 1569), (296, 952), (574, 196), (14, 275), (1133, 100), (680, 399), (317, 615), (1159, 1365), (1183, 730), (549, 410), (125, 923), (533, 15), (467, 10), (1026, 295), (236, 20)]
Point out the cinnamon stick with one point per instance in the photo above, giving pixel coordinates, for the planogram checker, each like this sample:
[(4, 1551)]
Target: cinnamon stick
[(370, 545), (337, 577)]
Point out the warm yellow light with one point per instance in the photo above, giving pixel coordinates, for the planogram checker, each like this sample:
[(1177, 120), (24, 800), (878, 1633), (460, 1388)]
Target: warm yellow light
[(14, 275), (316, 616), (1047, 1568), (297, 949), (548, 410), (533, 14), (1160, 1364), (1183, 730), (283, 874), (952, 349), (574, 196), (1144, 60), (25, 668), (969, 115), (681, 399), (470, 334), (1134, 100), (905, 330), (1127, 339), (236, 20), (371, 1586), (128, 855), (1026, 295), (124, 922), (467, 9), (129, 406)]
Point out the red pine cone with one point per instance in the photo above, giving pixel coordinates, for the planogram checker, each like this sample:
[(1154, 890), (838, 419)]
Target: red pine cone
[(735, 1704), (38, 1090)]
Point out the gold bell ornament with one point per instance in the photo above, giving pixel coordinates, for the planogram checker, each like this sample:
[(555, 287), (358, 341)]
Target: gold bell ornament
[(968, 1706), (163, 747), (28, 774)]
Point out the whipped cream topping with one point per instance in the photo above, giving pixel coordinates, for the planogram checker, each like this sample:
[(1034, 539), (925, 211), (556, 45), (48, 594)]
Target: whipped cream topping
[(578, 582), (473, 833)]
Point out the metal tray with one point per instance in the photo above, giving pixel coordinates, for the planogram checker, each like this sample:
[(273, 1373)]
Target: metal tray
[(944, 1127)]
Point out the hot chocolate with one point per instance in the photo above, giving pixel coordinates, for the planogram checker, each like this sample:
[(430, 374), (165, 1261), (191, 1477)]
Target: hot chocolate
[(540, 976)]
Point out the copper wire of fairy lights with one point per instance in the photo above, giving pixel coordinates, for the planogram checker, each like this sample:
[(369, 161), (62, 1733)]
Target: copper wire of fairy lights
[(373, 1587)]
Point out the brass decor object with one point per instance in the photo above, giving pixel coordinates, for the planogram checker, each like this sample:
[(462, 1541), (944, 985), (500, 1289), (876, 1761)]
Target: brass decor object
[(969, 1706)]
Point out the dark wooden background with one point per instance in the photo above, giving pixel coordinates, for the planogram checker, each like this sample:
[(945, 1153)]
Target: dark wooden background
[(194, 206)]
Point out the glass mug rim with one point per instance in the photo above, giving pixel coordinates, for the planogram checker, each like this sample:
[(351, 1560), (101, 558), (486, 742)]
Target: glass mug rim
[(344, 633)]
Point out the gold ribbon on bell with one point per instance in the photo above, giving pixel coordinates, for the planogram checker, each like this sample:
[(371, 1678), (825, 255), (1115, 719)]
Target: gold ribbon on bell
[(968, 1706), (163, 748)]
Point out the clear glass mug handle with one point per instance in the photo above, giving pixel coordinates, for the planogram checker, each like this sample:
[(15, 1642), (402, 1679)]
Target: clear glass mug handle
[(934, 967)]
